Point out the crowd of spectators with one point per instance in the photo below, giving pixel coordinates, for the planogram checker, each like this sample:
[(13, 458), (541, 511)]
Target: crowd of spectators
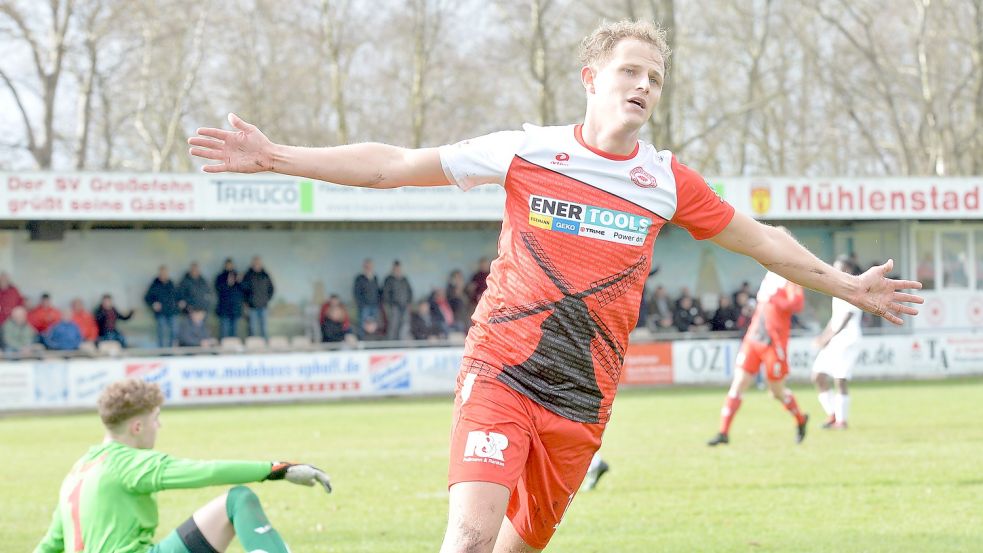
[(180, 310), (386, 311), (25, 327), (686, 313), (391, 312)]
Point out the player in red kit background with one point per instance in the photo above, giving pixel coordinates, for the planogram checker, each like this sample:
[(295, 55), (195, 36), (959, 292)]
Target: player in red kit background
[(766, 346), (584, 204)]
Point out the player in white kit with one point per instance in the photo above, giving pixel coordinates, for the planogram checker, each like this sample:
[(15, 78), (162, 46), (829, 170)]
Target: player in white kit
[(839, 345)]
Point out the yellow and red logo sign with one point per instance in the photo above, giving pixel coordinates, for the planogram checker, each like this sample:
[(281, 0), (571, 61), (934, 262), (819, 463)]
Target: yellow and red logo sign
[(761, 199)]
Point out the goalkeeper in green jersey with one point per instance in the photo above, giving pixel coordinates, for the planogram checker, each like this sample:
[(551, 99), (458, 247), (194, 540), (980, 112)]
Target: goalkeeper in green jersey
[(108, 501)]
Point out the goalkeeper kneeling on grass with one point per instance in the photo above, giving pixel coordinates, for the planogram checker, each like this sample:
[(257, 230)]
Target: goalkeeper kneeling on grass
[(107, 502)]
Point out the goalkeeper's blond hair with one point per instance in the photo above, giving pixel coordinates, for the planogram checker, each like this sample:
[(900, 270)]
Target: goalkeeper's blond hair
[(128, 398)]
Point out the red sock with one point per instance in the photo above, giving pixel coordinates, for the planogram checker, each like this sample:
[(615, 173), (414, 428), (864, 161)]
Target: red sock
[(793, 407), (727, 413)]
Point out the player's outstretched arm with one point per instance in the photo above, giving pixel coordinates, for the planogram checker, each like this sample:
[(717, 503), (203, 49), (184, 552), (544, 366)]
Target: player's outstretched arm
[(780, 253), (174, 473), (245, 149)]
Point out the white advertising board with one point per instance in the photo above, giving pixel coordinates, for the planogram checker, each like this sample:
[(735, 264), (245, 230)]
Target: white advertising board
[(858, 199), (921, 356), (201, 197), (80, 196), (216, 379)]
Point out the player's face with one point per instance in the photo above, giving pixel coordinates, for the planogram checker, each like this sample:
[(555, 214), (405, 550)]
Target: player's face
[(626, 88)]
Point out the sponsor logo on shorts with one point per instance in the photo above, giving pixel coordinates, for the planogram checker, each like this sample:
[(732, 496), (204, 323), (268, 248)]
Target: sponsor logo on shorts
[(589, 221), (486, 447)]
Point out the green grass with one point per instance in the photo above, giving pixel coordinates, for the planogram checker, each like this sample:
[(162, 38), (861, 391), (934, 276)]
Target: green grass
[(908, 475)]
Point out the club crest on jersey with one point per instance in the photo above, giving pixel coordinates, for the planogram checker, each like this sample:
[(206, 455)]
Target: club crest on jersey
[(588, 221), (642, 178)]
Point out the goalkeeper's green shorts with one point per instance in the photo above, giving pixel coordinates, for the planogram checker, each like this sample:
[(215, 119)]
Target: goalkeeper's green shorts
[(186, 538)]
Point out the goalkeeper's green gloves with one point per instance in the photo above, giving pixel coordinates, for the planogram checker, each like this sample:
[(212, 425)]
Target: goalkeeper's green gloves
[(305, 475)]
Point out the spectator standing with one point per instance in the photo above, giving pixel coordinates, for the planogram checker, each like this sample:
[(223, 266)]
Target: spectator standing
[(745, 289), (367, 293), (457, 296), (10, 297), (161, 297), (228, 288), (85, 321), (63, 335), (725, 318), (44, 314), (18, 334), (257, 290), (106, 318), (745, 309), (193, 332), (441, 314), (194, 293), (422, 325), (397, 295), (661, 311), (479, 280)]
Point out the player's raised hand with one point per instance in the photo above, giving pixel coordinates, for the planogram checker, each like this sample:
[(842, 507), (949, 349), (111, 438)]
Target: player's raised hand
[(243, 150), (883, 297), (305, 475)]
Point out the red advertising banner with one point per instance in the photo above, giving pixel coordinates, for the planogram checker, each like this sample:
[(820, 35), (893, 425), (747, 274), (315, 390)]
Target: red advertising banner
[(648, 364)]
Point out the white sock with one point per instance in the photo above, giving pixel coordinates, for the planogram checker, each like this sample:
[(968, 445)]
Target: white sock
[(841, 405), (826, 400), (595, 462)]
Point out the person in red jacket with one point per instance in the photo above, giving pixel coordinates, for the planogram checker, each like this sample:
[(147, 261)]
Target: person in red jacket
[(766, 343), (85, 321), (10, 297), (44, 314)]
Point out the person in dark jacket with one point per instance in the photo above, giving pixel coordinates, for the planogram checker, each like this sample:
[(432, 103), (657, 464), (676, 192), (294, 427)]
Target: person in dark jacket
[(422, 325), (228, 288), (106, 318), (397, 295), (335, 326), (162, 298), (193, 332), (194, 293), (257, 290), (367, 294), (725, 318)]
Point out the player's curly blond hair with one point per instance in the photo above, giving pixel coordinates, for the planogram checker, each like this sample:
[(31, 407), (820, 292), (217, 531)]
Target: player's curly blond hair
[(597, 47), (128, 398)]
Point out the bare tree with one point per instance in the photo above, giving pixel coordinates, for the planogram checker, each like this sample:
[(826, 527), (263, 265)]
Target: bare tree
[(47, 57), (166, 113), (428, 19), (539, 65), (335, 47)]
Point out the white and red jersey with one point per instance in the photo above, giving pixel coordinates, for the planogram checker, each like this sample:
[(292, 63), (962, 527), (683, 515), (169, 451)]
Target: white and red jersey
[(573, 256)]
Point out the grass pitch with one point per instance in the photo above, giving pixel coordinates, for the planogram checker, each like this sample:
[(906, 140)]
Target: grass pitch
[(907, 476)]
